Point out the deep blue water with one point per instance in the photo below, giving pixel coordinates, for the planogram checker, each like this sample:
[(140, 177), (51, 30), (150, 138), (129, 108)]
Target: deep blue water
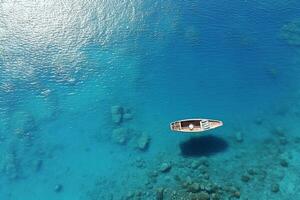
[(64, 64)]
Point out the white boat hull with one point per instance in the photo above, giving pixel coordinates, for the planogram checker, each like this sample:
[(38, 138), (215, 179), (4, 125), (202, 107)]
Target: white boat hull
[(195, 125)]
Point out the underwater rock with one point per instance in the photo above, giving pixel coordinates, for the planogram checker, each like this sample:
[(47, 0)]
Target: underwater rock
[(127, 115), (209, 187), (165, 167), (160, 194), (245, 178), (187, 182), (117, 114), (194, 187), (140, 163), (129, 195), (153, 174), (116, 109), (291, 32), (58, 188), (262, 175), (117, 118), (11, 168), (275, 188), (143, 142), (149, 184), (252, 172), (120, 135), (239, 136), (201, 196), (236, 194), (232, 191), (215, 196), (258, 121), (284, 163), (38, 165), (138, 195), (205, 176), (195, 164), (22, 123)]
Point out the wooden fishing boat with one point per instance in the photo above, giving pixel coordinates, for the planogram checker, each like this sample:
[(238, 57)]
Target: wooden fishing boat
[(195, 125)]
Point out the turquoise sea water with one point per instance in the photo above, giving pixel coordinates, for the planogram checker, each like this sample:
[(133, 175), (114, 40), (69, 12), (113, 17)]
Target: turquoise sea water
[(88, 89)]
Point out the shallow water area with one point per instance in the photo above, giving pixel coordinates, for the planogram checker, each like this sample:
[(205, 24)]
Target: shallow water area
[(88, 89)]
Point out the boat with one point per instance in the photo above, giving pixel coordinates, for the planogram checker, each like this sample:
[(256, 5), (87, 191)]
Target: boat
[(195, 125)]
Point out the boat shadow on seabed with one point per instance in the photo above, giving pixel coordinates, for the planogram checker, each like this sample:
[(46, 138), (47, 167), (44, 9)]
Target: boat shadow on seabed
[(202, 146)]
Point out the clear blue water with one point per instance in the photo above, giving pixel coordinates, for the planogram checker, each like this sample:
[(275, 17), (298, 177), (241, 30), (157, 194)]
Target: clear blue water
[(64, 64)]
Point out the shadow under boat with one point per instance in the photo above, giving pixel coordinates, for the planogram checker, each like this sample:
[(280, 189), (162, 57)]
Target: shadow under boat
[(203, 146)]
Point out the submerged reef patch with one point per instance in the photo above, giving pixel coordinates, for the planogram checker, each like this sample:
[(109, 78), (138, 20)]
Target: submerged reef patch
[(123, 133), (120, 114), (291, 32), (11, 166), (21, 151), (143, 142), (131, 137), (116, 114), (21, 123)]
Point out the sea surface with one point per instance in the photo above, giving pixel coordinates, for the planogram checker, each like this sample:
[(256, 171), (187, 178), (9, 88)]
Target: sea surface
[(88, 89)]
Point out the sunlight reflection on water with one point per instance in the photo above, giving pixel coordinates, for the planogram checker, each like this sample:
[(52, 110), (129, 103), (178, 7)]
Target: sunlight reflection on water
[(49, 36)]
